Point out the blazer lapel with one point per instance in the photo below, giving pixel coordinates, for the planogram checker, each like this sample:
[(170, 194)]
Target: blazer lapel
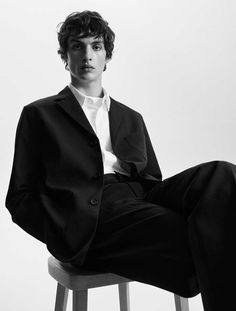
[(67, 101), (118, 133), (115, 120), (69, 104)]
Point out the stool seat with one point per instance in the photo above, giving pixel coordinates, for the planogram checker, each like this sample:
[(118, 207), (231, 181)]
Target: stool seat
[(80, 280)]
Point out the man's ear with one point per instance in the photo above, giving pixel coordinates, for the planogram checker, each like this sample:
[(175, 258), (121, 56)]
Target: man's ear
[(65, 59), (107, 61), (66, 66)]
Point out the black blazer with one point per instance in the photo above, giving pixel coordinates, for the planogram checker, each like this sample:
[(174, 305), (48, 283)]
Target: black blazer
[(57, 175)]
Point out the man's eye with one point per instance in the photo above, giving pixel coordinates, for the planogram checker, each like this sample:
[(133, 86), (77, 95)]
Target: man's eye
[(76, 47), (97, 47)]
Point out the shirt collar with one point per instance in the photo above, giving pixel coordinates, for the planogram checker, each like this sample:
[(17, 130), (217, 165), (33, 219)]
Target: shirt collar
[(86, 100)]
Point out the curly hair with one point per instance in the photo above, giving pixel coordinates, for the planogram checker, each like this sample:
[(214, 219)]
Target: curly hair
[(85, 24)]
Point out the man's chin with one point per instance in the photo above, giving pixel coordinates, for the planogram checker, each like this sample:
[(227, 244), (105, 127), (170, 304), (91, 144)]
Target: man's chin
[(89, 77)]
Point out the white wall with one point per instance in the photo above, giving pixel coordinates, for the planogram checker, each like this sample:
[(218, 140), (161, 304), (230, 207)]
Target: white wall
[(174, 62)]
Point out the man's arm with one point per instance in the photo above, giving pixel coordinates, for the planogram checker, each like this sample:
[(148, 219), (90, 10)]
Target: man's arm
[(24, 196), (152, 168)]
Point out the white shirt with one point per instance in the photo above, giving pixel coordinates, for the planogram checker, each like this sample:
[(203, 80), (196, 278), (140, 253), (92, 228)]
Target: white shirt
[(96, 110)]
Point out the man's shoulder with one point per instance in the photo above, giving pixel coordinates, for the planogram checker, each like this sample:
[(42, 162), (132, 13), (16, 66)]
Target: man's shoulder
[(124, 107), (44, 102)]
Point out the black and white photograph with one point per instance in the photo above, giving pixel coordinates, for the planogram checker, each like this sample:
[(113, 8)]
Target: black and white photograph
[(118, 156)]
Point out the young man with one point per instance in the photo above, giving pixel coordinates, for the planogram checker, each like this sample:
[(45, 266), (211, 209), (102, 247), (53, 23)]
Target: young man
[(86, 182)]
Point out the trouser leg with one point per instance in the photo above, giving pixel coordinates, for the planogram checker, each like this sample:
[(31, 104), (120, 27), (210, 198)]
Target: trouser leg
[(142, 241), (206, 196)]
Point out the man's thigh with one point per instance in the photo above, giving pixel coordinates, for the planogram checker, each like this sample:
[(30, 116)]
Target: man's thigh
[(183, 191), (144, 242)]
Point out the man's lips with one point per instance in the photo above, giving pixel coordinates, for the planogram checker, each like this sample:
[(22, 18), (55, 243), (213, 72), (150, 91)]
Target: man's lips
[(87, 67)]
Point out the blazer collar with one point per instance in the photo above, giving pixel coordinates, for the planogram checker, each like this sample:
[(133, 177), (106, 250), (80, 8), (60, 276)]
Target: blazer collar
[(67, 101), (85, 100)]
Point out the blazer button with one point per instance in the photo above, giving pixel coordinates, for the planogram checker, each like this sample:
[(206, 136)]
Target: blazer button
[(94, 201), (97, 176)]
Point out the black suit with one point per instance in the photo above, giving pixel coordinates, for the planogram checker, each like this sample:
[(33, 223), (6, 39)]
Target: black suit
[(57, 177), (178, 234)]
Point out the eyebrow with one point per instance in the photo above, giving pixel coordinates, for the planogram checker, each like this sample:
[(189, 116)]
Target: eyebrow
[(80, 41)]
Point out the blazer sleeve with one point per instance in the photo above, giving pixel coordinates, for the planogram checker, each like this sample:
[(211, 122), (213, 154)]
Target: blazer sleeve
[(152, 167), (23, 199)]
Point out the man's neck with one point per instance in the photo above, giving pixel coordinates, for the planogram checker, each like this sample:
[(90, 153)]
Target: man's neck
[(91, 89)]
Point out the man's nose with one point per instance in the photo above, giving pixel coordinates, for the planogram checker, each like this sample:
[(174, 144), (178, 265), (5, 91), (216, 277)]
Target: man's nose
[(87, 53)]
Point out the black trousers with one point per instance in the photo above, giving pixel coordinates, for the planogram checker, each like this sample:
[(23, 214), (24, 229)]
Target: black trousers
[(180, 236)]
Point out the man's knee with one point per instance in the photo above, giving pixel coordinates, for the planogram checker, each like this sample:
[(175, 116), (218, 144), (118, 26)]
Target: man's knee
[(223, 169), (226, 167), (220, 164)]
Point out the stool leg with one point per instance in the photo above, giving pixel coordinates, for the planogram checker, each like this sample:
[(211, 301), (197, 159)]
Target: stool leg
[(61, 298), (80, 300), (124, 296), (181, 304)]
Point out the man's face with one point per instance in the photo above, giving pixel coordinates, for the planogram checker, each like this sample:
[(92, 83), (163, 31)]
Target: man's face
[(86, 58)]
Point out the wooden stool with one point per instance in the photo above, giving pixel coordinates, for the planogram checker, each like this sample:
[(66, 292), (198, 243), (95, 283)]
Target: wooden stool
[(79, 281)]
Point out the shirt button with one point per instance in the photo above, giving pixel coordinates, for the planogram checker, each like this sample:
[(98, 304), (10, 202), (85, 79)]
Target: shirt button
[(89, 101), (94, 201)]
